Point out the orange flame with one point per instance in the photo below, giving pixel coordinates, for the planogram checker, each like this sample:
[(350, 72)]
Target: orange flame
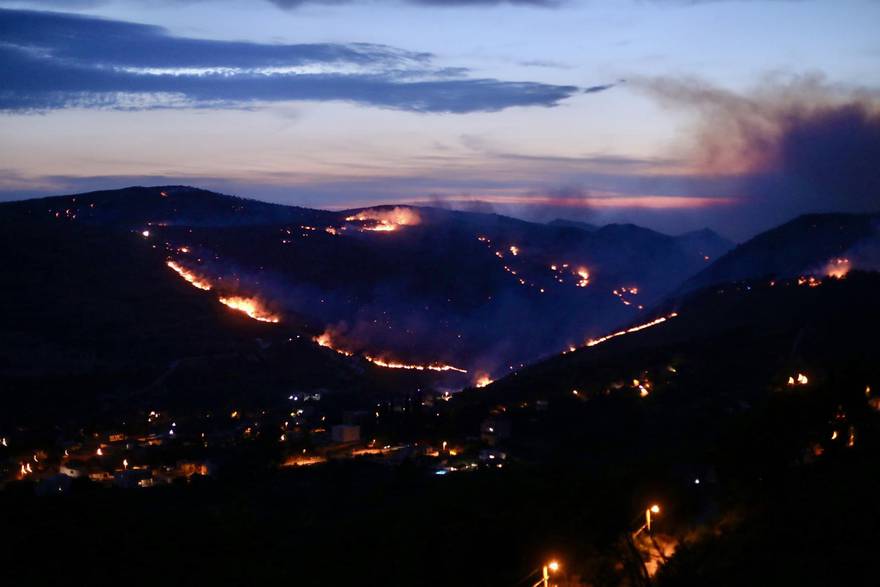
[(326, 340), (584, 277), (386, 220), (191, 278), (483, 380), (838, 268), (392, 364), (801, 379), (660, 320), (250, 306)]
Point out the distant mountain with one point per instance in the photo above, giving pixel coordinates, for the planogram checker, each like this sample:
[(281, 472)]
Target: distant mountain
[(481, 292), (705, 243), (700, 243), (804, 245), (94, 322), (574, 224), (172, 205)]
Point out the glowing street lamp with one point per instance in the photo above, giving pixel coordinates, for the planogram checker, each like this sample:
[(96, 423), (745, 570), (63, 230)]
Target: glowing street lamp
[(650, 511), (654, 509), (550, 567)]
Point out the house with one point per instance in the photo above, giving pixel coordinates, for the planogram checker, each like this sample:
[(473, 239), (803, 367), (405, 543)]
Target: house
[(345, 433), (131, 478), (73, 469), (491, 456), (495, 429)]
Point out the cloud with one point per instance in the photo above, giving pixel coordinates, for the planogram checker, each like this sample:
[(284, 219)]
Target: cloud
[(55, 60), (293, 4), (288, 4), (600, 88), (798, 144), (450, 3)]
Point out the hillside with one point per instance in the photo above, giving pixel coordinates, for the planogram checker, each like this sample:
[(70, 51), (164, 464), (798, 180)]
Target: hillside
[(480, 292), (807, 244), (95, 322), (751, 415)]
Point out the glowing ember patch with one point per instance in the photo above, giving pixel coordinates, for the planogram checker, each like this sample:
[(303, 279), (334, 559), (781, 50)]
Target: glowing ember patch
[(660, 320), (392, 364), (801, 379), (838, 268), (382, 227), (584, 277), (326, 341), (483, 380), (386, 220), (514, 250), (191, 278), (303, 461), (250, 306)]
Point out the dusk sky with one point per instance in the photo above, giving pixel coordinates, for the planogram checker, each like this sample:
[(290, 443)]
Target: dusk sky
[(735, 115)]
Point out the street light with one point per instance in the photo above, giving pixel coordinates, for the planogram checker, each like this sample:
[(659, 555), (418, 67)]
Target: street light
[(650, 511), (654, 509), (551, 567)]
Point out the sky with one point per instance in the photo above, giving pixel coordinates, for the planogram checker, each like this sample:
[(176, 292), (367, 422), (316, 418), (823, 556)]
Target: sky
[(674, 114)]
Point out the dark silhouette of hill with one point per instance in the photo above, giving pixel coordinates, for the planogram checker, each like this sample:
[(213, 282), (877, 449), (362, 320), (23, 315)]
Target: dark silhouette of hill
[(755, 475), (804, 245), (449, 287), (764, 327), (94, 321), (705, 242), (574, 224), (135, 207)]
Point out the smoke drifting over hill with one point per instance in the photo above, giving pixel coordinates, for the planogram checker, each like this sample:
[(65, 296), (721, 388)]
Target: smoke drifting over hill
[(799, 145)]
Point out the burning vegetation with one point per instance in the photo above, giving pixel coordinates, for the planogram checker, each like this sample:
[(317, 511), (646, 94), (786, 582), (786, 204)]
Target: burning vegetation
[(393, 364), (326, 340), (660, 320), (483, 380), (250, 306), (800, 379), (192, 278), (386, 220), (837, 268), (623, 294)]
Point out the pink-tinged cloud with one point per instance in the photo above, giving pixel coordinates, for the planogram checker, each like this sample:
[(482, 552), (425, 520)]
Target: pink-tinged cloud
[(605, 201)]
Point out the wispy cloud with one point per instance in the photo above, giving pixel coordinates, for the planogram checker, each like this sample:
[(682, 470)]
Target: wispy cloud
[(440, 3), (55, 60)]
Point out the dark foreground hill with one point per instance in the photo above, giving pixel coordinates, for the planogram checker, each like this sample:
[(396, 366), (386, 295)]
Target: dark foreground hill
[(755, 413), (758, 481)]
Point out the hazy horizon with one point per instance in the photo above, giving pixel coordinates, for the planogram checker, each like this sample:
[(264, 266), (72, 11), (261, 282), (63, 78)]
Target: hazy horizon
[(652, 112)]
